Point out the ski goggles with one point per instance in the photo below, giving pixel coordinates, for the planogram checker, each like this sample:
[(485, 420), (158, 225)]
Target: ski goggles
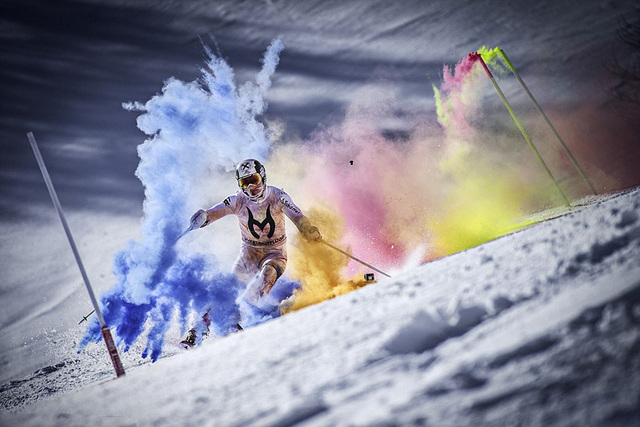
[(246, 181)]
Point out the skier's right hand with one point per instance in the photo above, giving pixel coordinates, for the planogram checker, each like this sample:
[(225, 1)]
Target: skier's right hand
[(199, 219)]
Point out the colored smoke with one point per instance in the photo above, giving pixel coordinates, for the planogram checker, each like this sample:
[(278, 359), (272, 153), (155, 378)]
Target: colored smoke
[(197, 132), (392, 186), (318, 267), (404, 200), (439, 190)]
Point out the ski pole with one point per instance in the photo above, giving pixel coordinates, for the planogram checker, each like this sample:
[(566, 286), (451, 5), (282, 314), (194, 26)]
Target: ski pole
[(354, 258), (185, 232), (478, 57), (85, 318), (191, 228), (194, 225), (546, 119), (106, 333)]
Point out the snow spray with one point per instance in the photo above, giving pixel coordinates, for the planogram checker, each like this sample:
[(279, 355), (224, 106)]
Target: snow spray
[(197, 132)]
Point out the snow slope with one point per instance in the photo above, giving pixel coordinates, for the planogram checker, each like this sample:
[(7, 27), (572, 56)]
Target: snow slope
[(540, 327)]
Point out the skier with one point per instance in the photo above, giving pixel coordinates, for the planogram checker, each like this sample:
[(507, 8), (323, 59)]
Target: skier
[(260, 209)]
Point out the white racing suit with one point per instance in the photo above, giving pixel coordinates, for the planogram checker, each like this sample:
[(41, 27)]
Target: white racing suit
[(263, 256)]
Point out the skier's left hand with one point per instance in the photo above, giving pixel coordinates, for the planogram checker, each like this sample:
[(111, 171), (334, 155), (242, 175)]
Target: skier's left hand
[(311, 233)]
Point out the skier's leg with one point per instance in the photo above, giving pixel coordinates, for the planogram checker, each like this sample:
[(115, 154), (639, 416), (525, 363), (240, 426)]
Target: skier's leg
[(255, 288), (246, 264), (260, 285), (256, 302), (271, 268), (267, 278), (243, 269)]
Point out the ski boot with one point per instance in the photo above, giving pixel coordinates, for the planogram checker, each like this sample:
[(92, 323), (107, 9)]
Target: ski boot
[(190, 340)]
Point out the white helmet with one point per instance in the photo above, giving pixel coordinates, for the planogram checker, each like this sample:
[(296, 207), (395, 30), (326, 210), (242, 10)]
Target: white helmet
[(252, 178)]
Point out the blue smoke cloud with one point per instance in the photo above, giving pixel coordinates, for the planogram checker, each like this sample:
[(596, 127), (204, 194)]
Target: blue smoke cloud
[(195, 129)]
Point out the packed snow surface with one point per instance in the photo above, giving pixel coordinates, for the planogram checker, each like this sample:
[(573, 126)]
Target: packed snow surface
[(540, 327)]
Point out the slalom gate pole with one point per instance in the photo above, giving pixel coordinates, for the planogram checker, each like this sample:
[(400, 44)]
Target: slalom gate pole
[(106, 333), (546, 119), (354, 258), (478, 57)]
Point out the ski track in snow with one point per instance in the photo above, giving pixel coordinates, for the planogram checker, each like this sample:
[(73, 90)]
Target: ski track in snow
[(540, 327)]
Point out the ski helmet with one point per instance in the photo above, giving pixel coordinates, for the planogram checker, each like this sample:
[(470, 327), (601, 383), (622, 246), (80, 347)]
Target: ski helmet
[(251, 175)]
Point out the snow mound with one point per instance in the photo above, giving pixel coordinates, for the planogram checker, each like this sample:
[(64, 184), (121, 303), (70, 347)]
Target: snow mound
[(541, 327), (426, 331)]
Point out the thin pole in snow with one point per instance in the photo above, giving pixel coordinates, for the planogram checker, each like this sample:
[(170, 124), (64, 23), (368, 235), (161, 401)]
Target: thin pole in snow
[(546, 119), (478, 57), (106, 333), (85, 318)]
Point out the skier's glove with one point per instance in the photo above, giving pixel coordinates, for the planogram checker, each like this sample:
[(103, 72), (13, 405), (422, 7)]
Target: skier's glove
[(311, 233), (199, 219)]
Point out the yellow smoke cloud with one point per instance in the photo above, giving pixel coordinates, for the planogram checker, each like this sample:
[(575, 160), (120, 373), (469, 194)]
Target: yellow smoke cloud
[(318, 267), (479, 205)]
